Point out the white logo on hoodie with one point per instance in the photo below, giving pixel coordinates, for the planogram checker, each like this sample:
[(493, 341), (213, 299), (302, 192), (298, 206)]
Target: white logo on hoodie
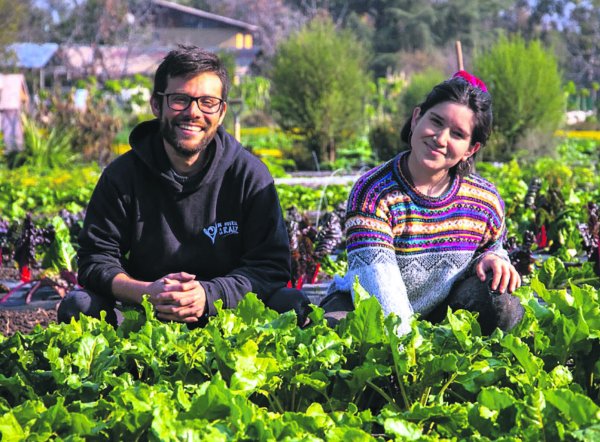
[(221, 229)]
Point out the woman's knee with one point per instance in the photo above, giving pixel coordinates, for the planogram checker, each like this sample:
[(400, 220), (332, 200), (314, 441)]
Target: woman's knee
[(501, 310), (337, 305), (286, 299)]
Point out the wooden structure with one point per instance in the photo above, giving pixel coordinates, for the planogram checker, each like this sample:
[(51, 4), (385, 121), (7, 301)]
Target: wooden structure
[(165, 26), (174, 23)]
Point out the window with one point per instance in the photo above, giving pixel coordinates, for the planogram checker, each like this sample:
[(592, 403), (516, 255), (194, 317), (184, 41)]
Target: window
[(239, 40), (248, 41)]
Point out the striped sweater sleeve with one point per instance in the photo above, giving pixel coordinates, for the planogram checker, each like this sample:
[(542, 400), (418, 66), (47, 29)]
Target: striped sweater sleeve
[(370, 246)]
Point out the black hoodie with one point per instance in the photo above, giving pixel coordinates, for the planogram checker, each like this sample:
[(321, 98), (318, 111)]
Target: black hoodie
[(224, 226)]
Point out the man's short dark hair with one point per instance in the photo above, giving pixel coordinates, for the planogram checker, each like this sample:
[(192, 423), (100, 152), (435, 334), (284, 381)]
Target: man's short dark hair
[(190, 60)]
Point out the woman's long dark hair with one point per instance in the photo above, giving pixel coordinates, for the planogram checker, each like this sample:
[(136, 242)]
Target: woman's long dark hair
[(460, 91)]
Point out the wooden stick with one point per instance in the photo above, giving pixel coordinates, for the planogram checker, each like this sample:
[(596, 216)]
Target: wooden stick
[(459, 57)]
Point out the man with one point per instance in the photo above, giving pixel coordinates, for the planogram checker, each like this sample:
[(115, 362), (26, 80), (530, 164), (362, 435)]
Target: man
[(187, 216)]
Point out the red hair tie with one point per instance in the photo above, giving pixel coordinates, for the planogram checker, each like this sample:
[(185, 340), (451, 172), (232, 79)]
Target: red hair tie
[(472, 79)]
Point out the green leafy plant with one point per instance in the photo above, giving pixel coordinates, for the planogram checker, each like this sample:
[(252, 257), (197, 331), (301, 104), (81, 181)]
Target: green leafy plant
[(253, 374), (47, 149)]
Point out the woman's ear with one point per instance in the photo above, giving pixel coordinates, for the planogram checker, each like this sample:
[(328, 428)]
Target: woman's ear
[(472, 150), (415, 117)]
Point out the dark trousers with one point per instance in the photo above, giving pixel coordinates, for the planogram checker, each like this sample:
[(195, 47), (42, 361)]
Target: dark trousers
[(81, 301), (502, 310)]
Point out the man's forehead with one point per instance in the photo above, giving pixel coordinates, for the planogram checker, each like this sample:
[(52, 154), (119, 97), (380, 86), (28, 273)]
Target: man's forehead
[(208, 78)]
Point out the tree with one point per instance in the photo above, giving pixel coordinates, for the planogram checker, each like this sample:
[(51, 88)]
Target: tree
[(320, 86), (95, 22), (12, 14), (525, 83)]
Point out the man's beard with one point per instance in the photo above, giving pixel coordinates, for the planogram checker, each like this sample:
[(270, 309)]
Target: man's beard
[(168, 132)]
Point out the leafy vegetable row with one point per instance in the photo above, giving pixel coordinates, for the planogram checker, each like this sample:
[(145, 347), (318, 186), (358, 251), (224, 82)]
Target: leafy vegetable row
[(252, 374)]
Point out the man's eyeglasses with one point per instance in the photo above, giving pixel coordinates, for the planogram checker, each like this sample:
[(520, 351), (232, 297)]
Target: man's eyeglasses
[(180, 102)]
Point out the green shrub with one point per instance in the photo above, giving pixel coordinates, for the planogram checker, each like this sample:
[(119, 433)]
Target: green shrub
[(528, 100), (47, 148), (354, 154), (414, 94), (93, 129), (320, 86), (384, 136), (385, 141)]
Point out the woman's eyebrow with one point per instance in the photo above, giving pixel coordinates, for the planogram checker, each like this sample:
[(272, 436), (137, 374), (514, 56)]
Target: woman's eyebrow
[(455, 127)]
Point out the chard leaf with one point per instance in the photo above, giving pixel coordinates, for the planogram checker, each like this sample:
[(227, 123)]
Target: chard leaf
[(366, 372), (464, 326), (93, 357), (553, 273), (317, 381), (483, 373), (252, 310), (326, 350), (574, 406), (496, 398), (16, 386), (214, 401), (10, 428), (360, 294), (365, 324), (344, 434), (589, 434), (315, 421), (55, 420), (402, 429), (522, 353), (436, 367), (60, 254), (16, 424), (561, 376), (251, 369), (449, 419)]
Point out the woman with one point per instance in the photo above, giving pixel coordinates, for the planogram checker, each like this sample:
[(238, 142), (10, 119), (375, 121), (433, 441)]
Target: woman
[(423, 231)]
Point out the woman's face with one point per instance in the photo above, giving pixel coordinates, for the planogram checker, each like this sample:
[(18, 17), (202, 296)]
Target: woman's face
[(441, 138)]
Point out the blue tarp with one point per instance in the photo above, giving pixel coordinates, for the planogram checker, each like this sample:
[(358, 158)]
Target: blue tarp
[(32, 55)]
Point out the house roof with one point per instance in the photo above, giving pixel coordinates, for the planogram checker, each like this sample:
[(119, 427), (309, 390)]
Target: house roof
[(32, 55), (207, 15), (114, 61)]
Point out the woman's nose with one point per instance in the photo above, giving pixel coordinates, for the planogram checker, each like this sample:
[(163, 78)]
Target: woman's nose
[(441, 137)]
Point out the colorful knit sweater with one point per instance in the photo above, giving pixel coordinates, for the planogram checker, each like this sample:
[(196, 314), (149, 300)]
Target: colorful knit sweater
[(407, 249)]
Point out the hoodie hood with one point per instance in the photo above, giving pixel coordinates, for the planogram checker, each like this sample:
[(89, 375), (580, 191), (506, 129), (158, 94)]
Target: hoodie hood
[(147, 144)]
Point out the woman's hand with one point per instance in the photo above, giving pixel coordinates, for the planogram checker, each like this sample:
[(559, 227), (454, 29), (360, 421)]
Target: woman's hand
[(505, 276)]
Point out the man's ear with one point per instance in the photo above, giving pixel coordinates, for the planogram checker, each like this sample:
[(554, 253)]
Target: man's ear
[(223, 112), (155, 104)]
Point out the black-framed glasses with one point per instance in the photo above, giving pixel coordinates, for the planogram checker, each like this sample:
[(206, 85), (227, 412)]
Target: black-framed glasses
[(180, 102)]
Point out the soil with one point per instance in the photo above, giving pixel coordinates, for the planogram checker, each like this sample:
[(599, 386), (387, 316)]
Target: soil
[(13, 320), (23, 318)]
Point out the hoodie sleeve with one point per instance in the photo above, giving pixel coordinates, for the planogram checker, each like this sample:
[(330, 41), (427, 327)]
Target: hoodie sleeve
[(103, 238), (265, 264)]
